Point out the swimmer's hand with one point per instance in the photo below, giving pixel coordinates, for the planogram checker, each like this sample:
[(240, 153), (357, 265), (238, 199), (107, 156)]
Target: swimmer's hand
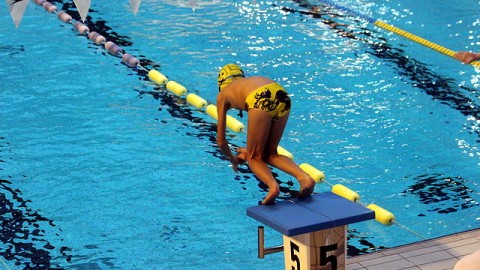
[(225, 149), (241, 154), (234, 160), (467, 57)]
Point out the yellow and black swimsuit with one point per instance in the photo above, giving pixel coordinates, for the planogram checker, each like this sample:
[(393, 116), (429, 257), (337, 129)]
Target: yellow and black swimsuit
[(271, 98)]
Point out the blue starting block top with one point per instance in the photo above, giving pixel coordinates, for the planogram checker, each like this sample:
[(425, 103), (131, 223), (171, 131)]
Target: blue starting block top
[(317, 212)]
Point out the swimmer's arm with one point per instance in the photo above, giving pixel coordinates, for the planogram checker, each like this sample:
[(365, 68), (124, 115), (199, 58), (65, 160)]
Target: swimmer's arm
[(222, 108)]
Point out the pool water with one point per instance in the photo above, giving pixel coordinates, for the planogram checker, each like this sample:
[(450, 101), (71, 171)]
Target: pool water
[(102, 169)]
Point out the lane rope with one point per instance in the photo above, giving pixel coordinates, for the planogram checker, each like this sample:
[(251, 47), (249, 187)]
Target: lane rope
[(396, 30)]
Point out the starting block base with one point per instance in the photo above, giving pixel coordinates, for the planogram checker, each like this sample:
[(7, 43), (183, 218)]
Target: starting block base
[(320, 250), (314, 229)]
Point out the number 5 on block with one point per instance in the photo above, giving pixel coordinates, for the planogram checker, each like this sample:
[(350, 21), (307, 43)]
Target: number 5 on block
[(320, 250)]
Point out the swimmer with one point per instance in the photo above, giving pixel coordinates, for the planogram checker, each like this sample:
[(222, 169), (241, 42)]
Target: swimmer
[(268, 106)]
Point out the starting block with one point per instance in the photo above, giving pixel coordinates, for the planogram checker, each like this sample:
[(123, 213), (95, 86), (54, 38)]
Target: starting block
[(314, 229)]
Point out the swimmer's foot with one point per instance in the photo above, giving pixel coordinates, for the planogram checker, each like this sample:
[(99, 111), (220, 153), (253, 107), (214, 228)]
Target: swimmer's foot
[(271, 202), (307, 185), (271, 196), (304, 194)]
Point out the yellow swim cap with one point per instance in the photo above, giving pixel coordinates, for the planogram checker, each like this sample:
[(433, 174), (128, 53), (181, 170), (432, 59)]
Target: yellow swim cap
[(227, 74)]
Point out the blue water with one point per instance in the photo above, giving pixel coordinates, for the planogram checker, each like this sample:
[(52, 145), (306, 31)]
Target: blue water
[(102, 169)]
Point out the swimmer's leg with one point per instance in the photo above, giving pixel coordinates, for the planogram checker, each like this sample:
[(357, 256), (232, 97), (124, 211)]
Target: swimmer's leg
[(307, 184), (259, 123)]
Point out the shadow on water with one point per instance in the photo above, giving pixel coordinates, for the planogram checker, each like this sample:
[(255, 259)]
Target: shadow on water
[(443, 194), (22, 231)]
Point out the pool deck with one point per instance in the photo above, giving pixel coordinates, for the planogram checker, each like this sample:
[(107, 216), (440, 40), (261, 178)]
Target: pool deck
[(435, 254)]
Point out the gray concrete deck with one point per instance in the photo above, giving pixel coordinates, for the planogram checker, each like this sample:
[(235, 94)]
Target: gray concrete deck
[(436, 254)]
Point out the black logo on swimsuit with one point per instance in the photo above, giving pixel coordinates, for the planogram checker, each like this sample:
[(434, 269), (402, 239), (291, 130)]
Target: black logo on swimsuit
[(265, 101)]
